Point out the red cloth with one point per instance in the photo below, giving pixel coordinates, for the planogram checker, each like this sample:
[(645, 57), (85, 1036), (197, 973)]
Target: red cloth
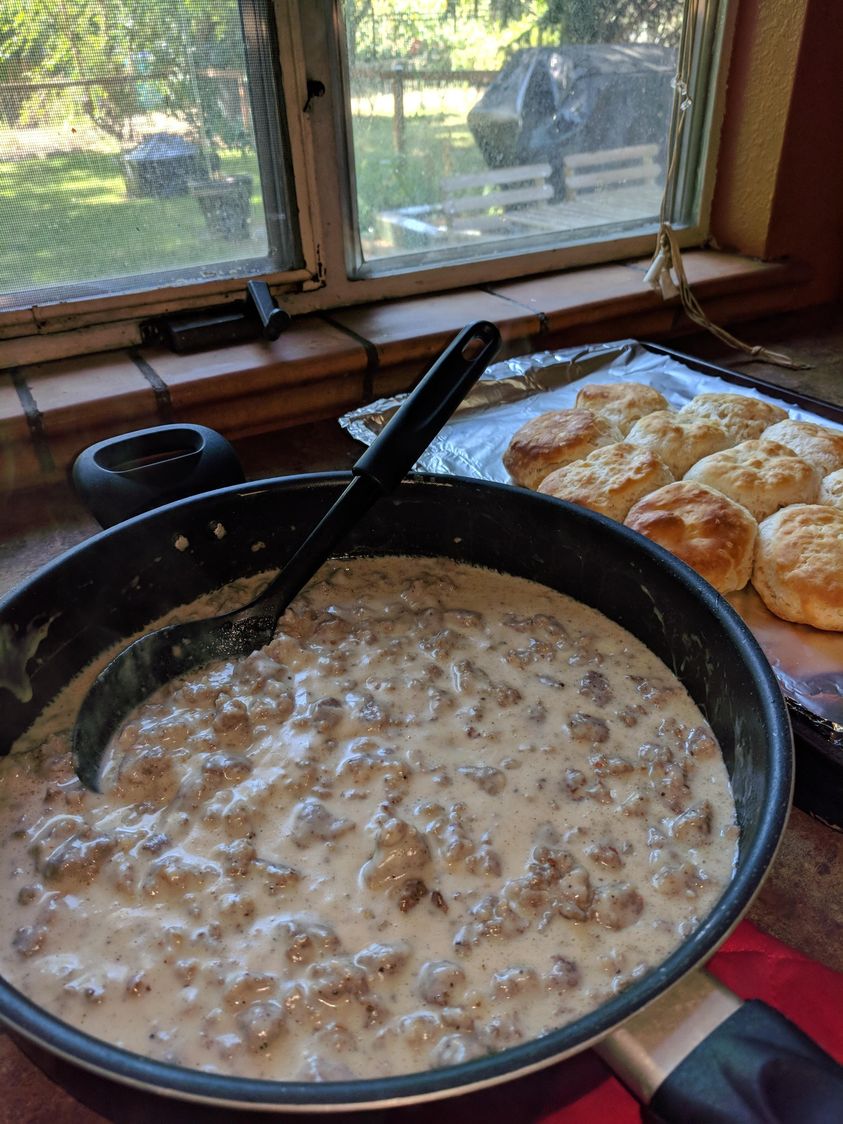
[(582, 1090)]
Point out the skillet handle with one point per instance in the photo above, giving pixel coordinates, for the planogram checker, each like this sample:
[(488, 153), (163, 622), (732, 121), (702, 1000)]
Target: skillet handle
[(700, 1055)]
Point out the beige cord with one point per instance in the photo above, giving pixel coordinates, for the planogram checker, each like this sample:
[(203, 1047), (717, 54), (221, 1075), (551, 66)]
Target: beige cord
[(666, 273)]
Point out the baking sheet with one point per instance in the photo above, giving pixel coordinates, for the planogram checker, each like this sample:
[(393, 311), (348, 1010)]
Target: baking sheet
[(808, 662)]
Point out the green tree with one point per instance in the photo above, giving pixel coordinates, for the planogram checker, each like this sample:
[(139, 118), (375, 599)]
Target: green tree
[(117, 55)]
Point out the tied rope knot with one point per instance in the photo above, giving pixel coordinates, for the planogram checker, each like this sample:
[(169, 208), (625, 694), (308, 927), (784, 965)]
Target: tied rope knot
[(666, 273)]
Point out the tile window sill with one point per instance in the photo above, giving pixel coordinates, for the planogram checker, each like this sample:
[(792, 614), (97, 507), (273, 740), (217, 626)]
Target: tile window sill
[(325, 364)]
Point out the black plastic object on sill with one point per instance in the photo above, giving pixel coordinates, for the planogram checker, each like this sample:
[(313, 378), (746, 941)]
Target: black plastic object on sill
[(134, 472), (256, 317)]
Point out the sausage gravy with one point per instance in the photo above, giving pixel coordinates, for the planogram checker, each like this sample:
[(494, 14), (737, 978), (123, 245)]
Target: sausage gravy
[(444, 811)]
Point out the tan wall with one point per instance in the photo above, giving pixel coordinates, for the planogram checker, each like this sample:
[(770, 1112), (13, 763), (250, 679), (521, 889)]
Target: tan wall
[(779, 190)]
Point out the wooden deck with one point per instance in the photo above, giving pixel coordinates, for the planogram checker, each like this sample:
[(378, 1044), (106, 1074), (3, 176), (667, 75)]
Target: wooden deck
[(428, 227), (616, 186)]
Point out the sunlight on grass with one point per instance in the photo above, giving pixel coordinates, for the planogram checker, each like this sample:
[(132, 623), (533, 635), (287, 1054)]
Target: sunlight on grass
[(66, 218)]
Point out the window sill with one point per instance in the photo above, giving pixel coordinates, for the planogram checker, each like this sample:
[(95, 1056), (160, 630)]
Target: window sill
[(325, 364)]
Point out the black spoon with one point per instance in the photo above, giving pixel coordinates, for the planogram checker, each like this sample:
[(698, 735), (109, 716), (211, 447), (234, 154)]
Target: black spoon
[(169, 652)]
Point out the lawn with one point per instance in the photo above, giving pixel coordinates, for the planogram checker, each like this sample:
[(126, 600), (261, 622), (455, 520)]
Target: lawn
[(66, 218)]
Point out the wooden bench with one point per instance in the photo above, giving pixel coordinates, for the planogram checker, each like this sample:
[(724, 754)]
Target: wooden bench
[(481, 200), (474, 204), (611, 169)]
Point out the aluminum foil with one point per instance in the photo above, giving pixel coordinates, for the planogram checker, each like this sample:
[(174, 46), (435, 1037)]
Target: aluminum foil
[(808, 663)]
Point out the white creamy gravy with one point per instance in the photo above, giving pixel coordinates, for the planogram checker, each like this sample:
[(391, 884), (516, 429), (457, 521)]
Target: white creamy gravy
[(444, 811)]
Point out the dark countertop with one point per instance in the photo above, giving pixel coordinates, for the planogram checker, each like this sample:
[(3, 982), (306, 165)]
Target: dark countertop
[(801, 901)]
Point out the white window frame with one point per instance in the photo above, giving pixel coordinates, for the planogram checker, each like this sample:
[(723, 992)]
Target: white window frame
[(330, 275)]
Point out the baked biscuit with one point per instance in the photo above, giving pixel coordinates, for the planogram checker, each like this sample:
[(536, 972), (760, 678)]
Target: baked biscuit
[(623, 403), (762, 475), (679, 442), (554, 439), (741, 415), (831, 489), (817, 444), (713, 534), (799, 565), (609, 480)]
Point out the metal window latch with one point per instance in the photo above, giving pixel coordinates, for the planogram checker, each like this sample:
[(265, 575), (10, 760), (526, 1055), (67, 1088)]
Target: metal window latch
[(256, 317)]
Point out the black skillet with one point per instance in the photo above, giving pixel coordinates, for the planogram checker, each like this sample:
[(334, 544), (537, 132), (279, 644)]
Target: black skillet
[(119, 581)]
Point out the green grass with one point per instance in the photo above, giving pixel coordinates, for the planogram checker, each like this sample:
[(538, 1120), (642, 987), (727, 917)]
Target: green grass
[(66, 218), (434, 147)]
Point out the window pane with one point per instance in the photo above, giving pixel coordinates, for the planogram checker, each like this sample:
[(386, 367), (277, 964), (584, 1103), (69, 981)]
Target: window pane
[(133, 140), (479, 120)]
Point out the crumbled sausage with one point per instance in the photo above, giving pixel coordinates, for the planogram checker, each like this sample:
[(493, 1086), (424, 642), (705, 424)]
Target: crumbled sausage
[(605, 854), (563, 975), (318, 1068), (440, 982), (693, 826), (243, 988), (236, 857), (509, 982), (379, 960), (306, 938), (29, 939), (672, 786), (574, 894), (222, 769), (654, 691), (337, 976), (313, 823), (595, 686), (232, 724), (148, 773), (261, 1024), (177, 873), (587, 728), (410, 892), (486, 777), (419, 1027), (701, 743), (501, 1031), (616, 905), (454, 1049), (401, 854), (324, 714), (676, 880), (78, 859)]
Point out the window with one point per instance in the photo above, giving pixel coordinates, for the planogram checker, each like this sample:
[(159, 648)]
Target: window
[(154, 153)]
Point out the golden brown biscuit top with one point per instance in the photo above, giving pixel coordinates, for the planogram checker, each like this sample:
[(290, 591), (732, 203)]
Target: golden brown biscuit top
[(744, 416), (817, 444), (750, 462), (609, 479), (679, 441), (831, 488), (799, 565), (553, 439), (621, 402), (712, 533), (762, 475)]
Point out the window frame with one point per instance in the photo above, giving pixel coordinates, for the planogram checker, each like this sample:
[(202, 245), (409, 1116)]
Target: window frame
[(308, 32)]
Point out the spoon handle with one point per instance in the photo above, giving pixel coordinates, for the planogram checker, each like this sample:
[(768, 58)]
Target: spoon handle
[(389, 458), (423, 413)]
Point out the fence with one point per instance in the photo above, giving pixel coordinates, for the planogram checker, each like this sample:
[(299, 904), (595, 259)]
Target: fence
[(398, 77), (231, 87)]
